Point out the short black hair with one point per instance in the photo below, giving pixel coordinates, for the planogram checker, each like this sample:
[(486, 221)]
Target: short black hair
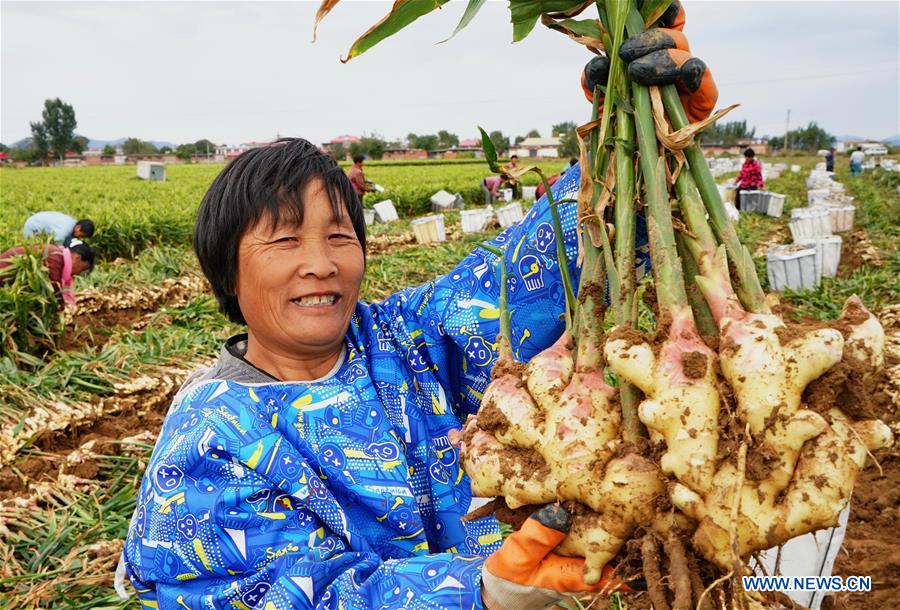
[(358, 158), (749, 153), (513, 157), (268, 180), (572, 161), (86, 226), (86, 253)]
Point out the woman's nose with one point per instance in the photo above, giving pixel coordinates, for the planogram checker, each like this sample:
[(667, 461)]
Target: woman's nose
[(317, 260)]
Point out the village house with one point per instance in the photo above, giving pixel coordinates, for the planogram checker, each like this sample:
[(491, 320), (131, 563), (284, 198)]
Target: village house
[(540, 148)]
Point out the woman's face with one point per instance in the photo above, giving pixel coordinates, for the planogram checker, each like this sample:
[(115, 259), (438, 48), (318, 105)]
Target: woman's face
[(298, 285)]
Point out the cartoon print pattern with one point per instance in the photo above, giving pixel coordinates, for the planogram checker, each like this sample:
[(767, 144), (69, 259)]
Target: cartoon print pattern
[(347, 492)]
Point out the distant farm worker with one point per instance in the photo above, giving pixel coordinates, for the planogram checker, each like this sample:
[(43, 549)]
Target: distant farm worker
[(62, 263), (510, 181), (61, 226), (316, 463), (829, 160), (357, 178), (856, 161), (750, 178), (539, 191), (490, 186)]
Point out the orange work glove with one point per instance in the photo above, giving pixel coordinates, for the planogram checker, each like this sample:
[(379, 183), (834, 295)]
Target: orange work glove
[(661, 56), (524, 573)]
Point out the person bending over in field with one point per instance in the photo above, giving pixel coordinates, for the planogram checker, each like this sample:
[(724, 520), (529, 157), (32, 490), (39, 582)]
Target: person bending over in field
[(61, 226), (316, 463), (62, 263)]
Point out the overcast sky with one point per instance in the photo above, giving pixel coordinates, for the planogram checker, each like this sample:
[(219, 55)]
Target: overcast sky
[(241, 71)]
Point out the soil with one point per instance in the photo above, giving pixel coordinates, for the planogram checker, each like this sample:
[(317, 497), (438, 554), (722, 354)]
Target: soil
[(56, 449), (101, 314), (694, 364), (856, 251), (491, 418), (93, 330), (870, 546)]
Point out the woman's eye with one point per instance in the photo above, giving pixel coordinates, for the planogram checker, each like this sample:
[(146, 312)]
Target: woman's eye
[(285, 239), (341, 236)]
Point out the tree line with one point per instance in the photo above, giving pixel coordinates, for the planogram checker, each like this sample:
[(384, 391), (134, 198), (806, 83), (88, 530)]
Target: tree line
[(54, 135)]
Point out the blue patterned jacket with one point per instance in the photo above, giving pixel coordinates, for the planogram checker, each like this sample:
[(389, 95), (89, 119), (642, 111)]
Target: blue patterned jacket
[(346, 492)]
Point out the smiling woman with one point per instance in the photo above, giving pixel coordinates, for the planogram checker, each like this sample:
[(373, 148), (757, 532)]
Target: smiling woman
[(299, 284), (316, 460)]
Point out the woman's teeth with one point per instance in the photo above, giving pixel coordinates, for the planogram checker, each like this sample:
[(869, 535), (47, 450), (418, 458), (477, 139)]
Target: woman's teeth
[(316, 300)]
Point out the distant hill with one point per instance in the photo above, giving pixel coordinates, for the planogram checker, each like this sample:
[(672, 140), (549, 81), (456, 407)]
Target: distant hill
[(95, 144), (845, 138), (101, 143), (893, 140)]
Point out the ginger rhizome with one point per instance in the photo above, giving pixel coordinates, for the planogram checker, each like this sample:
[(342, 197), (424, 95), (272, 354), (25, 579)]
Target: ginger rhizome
[(704, 449)]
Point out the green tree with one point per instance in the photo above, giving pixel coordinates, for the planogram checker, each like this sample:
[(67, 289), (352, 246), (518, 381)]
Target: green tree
[(568, 138), (425, 141), (29, 154), (809, 139), (40, 143), (371, 145), (108, 151), (56, 131), (80, 144), (728, 133), (134, 146), (500, 141), (166, 150), (204, 146), (185, 151), (534, 133), (3, 147), (447, 139), (563, 128), (338, 152)]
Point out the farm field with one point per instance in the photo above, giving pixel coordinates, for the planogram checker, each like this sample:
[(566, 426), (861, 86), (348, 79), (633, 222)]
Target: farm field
[(78, 422), (135, 214)]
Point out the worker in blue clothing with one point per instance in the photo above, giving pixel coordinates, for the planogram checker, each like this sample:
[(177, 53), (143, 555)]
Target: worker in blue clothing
[(315, 464), (62, 227)]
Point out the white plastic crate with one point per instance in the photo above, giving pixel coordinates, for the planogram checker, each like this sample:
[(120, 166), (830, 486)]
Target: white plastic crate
[(151, 170), (506, 194), (775, 206), (510, 214), (795, 169), (529, 192), (754, 202), (442, 200), (429, 229), (841, 217), (385, 211), (791, 266), (474, 221), (369, 216), (828, 253), (811, 222), (727, 192), (817, 196)]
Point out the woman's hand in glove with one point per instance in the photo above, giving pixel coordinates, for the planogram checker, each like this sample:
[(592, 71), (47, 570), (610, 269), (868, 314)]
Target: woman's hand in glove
[(525, 573), (661, 56)]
